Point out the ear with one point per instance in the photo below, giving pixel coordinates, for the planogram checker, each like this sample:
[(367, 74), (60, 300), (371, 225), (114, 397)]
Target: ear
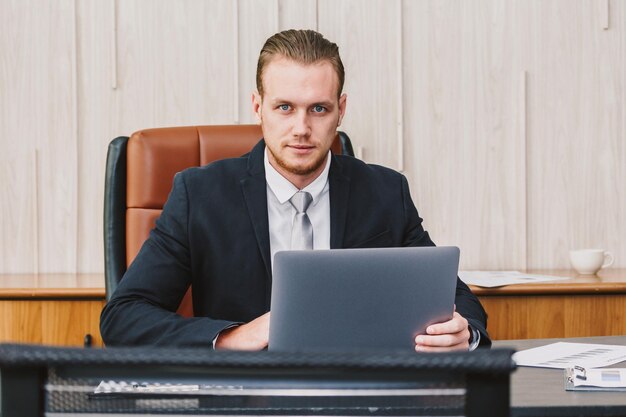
[(257, 103), (342, 108)]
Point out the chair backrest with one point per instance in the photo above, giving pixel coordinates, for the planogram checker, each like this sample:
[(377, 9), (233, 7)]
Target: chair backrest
[(139, 175), (37, 380)]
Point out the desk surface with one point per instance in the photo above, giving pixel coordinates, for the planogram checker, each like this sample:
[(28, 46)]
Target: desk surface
[(608, 281), (27, 286), (541, 392)]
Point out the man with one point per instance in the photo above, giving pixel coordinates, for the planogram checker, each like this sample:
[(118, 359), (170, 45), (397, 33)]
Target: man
[(223, 223)]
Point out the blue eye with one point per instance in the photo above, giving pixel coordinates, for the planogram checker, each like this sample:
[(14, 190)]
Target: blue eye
[(284, 107), (319, 109)]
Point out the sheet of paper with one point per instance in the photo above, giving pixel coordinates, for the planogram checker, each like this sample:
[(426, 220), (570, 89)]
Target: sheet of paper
[(124, 387), (501, 278), (563, 355), (600, 378)]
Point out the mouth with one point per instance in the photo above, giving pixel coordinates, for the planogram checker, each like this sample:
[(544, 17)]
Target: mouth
[(301, 149)]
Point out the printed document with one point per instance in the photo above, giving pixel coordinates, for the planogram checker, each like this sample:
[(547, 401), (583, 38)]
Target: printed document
[(501, 278), (563, 355)]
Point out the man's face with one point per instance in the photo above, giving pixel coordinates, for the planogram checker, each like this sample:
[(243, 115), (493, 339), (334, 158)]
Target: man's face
[(299, 114)]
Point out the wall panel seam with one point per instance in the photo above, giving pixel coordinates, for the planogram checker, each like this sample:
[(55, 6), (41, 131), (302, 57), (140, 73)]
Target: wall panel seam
[(524, 137), (113, 44), (400, 95), (36, 210), (235, 17), (75, 129), (317, 15)]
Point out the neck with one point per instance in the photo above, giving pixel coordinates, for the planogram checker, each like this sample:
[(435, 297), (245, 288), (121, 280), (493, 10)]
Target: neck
[(299, 181)]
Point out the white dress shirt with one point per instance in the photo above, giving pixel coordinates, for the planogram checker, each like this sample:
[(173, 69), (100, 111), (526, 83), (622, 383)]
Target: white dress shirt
[(281, 213)]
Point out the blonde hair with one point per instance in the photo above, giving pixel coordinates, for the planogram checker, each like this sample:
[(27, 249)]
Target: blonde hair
[(302, 46)]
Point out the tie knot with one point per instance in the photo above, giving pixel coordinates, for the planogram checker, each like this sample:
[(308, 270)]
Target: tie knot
[(300, 201)]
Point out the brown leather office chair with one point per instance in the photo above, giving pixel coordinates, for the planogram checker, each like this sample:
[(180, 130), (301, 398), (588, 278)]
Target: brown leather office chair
[(139, 176)]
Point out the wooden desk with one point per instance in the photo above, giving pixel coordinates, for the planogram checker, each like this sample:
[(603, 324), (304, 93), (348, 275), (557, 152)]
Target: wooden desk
[(580, 306), (55, 309), (60, 309), (540, 391)]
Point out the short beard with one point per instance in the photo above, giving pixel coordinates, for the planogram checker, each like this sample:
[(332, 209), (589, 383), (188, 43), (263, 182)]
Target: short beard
[(299, 171)]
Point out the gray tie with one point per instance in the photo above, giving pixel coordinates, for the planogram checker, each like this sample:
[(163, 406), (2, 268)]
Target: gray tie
[(302, 230)]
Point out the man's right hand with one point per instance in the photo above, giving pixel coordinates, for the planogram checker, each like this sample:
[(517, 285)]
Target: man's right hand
[(250, 336)]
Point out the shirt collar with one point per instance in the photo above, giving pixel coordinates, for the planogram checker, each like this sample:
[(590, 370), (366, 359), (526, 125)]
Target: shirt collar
[(284, 190)]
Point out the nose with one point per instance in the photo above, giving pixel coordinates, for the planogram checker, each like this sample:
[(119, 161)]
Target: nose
[(301, 126)]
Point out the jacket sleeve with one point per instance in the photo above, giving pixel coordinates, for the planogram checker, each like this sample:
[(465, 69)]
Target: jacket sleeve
[(467, 304), (143, 308)]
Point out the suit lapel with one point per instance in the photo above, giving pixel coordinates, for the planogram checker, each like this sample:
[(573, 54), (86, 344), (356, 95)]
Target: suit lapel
[(254, 189), (339, 192)]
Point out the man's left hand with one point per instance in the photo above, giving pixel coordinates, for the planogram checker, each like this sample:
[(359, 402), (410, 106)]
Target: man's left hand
[(453, 334)]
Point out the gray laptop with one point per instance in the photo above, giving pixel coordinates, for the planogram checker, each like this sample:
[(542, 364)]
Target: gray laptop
[(360, 299)]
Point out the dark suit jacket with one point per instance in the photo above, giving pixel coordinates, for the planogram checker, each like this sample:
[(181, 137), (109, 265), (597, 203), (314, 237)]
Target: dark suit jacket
[(213, 234)]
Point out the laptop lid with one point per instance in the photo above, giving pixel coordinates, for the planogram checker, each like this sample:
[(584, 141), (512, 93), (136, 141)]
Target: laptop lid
[(360, 299)]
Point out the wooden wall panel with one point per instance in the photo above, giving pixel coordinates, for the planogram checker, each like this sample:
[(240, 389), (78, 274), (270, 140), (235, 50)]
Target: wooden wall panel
[(577, 131), (464, 140), (297, 14), (38, 111), (369, 45), (96, 78), (169, 55), (258, 20), (18, 212), (514, 176)]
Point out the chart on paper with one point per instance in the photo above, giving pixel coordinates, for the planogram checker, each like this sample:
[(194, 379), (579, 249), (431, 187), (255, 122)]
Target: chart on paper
[(562, 355)]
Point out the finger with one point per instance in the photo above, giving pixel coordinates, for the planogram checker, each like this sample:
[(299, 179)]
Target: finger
[(454, 325), (443, 340), (460, 347)]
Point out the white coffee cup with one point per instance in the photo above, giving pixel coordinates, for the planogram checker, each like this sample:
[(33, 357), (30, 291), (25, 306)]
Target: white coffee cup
[(590, 261)]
